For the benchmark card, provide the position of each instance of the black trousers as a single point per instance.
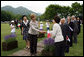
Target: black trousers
(59, 49)
(75, 38)
(67, 48)
(67, 44)
(71, 40)
(33, 44)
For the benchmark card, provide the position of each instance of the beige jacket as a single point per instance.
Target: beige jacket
(33, 28)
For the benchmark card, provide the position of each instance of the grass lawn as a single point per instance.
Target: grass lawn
(76, 50)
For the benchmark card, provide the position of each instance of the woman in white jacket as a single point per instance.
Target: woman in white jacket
(56, 33)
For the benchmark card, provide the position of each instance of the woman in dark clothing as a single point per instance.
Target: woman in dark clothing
(25, 28)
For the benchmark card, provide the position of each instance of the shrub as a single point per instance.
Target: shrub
(10, 38)
(49, 44)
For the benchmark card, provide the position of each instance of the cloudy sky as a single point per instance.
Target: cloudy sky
(37, 6)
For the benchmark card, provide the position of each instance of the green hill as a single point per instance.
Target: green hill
(19, 10)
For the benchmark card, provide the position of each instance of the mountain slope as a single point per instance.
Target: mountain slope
(20, 10)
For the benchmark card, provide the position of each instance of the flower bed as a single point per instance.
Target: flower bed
(9, 43)
(48, 47)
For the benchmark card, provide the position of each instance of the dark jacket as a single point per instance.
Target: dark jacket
(65, 30)
(71, 24)
(25, 28)
(76, 30)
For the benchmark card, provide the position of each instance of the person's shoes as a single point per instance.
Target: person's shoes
(66, 51)
(32, 55)
(35, 54)
(26, 48)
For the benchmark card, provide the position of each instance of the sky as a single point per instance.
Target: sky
(37, 6)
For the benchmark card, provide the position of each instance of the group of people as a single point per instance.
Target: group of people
(59, 32)
(70, 29)
(29, 30)
(65, 33)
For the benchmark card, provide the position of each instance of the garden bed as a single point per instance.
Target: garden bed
(46, 53)
(9, 46)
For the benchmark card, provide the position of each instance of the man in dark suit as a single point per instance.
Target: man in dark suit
(75, 30)
(65, 32)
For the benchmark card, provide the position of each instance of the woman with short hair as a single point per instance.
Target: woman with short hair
(33, 31)
(56, 33)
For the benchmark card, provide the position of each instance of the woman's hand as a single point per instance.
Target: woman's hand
(42, 31)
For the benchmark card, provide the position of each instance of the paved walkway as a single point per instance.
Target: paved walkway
(24, 52)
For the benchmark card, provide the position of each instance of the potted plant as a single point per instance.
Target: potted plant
(10, 42)
(48, 47)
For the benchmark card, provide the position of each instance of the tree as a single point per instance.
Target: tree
(63, 11)
(51, 11)
(7, 16)
(77, 8)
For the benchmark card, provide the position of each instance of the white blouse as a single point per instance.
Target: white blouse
(25, 22)
(57, 33)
